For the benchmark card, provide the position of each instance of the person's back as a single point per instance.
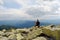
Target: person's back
(37, 23)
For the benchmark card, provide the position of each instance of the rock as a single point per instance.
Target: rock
(3, 38)
(40, 38)
(12, 37)
(19, 36)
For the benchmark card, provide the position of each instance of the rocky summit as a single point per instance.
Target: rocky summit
(33, 33)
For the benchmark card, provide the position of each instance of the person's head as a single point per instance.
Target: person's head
(37, 20)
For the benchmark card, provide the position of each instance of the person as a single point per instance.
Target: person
(52, 26)
(37, 23)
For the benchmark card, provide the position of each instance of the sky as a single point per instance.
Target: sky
(29, 9)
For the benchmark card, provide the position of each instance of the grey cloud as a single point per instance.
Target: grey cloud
(35, 12)
(6, 15)
(39, 13)
(48, 0)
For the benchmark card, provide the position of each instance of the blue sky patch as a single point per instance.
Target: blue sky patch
(11, 4)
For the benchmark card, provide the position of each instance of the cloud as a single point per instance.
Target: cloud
(41, 11)
(13, 14)
(29, 9)
(46, 8)
(1, 2)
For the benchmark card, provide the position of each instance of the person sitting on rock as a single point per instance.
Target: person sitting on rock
(37, 23)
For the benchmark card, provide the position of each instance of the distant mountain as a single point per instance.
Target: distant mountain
(21, 24)
(30, 24)
(25, 23)
(7, 27)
